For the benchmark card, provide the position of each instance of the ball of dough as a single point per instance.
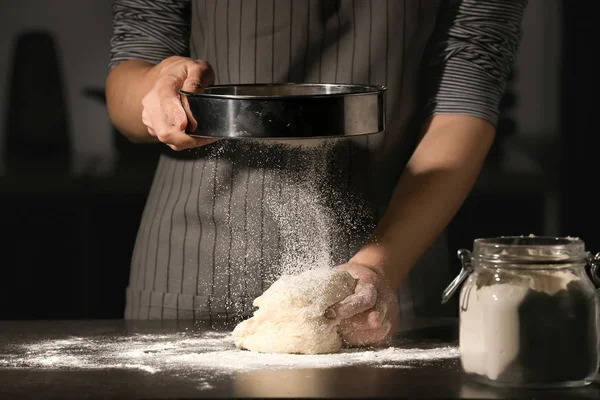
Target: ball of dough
(290, 312)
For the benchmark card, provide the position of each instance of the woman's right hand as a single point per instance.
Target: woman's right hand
(163, 114)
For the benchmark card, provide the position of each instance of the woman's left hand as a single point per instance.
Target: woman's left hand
(369, 316)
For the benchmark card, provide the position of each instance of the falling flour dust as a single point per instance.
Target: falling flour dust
(304, 223)
(294, 208)
(309, 207)
(196, 356)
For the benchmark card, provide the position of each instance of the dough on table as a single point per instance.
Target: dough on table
(290, 312)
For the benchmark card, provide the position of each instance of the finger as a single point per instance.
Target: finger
(163, 130)
(372, 337)
(192, 123)
(364, 297)
(177, 140)
(204, 141)
(181, 141)
(374, 317)
(178, 145)
(370, 319)
(171, 107)
(199, 76)
(159, 123)
(193, 76)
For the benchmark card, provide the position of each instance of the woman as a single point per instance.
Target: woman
(225, 218)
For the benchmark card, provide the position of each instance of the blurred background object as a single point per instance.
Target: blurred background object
(37, 129)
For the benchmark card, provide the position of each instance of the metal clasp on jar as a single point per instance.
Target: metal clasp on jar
(594, 262)
(467, 268)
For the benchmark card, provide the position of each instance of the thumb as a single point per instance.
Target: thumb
(199, 76)
(180, 119)
(363, 298)
(192, 84)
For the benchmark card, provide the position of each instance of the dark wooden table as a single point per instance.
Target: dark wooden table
(426, 379)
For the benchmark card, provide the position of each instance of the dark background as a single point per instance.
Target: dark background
(72, 190)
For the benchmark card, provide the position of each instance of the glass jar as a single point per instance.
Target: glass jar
(529, 314)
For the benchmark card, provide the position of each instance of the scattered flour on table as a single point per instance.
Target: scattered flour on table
(196, 355)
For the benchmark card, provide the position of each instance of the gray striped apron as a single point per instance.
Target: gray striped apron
(224, 221)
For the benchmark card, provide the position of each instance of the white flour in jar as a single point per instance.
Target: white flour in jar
(490, 324)
(489, 328)
(198, 357)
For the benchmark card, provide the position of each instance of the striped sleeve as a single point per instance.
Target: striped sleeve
(470, 56)
(149, 30)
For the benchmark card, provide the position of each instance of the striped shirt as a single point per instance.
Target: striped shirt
(223, 221)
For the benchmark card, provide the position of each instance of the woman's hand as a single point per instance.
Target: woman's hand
(369, 316)
(163, 113)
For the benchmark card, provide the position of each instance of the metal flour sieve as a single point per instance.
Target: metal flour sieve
(285, 111)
